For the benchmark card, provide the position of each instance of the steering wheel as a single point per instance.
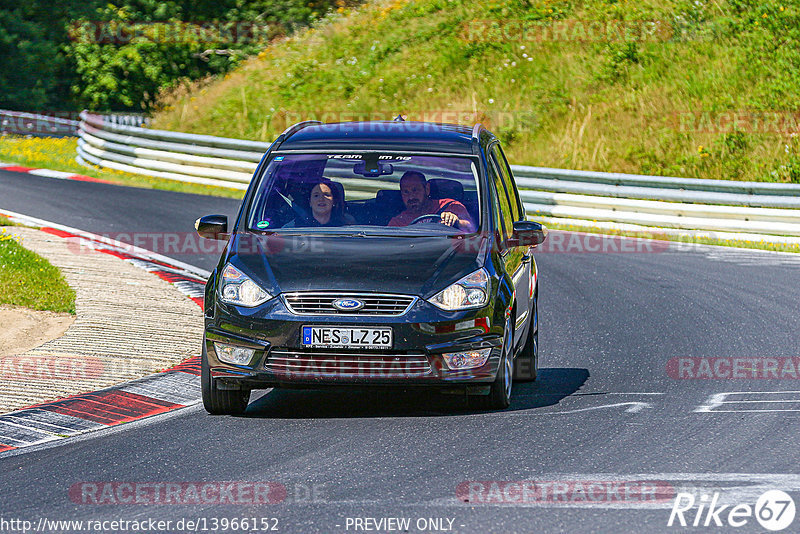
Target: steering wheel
(435, 217)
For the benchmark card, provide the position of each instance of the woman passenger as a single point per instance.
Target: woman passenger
(327, 209)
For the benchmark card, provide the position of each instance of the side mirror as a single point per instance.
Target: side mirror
(212, 227)
(528, 233)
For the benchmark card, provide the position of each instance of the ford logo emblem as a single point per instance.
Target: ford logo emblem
(348, 304)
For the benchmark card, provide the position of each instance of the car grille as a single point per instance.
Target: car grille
(298, 364)
(321, 303)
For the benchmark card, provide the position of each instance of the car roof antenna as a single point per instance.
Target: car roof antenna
(399, 118)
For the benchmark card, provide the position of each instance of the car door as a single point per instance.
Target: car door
(516, 259)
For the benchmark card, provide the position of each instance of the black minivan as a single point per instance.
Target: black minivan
(375, 254)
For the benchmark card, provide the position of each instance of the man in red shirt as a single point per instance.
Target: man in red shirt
(415, 191)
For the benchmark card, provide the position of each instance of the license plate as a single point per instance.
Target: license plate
(347, 336)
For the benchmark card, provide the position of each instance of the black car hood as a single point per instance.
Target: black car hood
(407, 265)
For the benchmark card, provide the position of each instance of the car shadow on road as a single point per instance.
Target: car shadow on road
(552, 385)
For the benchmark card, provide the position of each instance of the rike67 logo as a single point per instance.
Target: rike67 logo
(774, 510)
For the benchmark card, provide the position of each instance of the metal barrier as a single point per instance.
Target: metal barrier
(128, 119)
(21, 123)
(767, 212)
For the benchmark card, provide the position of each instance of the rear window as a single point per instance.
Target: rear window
(369, 193)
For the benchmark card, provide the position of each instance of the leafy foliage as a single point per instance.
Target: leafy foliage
(118, 55)
(34, 72)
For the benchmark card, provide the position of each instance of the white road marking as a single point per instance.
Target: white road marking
(176, 387)
(720, 399)
(196, 406)
(52, 174)
(52, 422)
(753, 257)
(17, 435)
(768, 401)
(633, 407)
(597, 394)
(613, 393)
(635, 393)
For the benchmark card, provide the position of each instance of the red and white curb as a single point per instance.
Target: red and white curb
(48, 173)
(156, 394)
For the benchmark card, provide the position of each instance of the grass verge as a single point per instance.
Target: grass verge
(686, 238)
(59, 155)
(28, 280)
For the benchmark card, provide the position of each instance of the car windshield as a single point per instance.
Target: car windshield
(367, 193)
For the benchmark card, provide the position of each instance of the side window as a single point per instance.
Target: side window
(505, 171)
(505, 221)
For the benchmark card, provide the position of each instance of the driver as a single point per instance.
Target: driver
(415, 191)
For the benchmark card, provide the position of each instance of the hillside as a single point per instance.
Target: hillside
(683, 88)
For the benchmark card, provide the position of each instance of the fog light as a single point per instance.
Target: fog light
(467, 359)
(234, 355)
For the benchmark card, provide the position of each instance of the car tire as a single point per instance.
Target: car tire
(499, 397)
(218, 401)
(526, 365)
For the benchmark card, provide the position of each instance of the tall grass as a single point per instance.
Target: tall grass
(573, 101)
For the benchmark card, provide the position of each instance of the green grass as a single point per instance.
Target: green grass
(687, 238)
(613, 105)
(59, 155)
(28, 280)
(4, 221)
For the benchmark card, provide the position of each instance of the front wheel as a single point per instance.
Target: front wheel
(526, 366)
(220, 401)
(499, 397)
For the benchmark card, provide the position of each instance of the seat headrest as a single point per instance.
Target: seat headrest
(389, 196)
(445, 188)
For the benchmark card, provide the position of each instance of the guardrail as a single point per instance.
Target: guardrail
(753, 211)
(21, 123)
(127, 119)
(59, 124)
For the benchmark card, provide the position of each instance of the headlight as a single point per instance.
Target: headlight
(472, 291)
(237, 288)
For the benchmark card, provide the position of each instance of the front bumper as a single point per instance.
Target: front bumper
(420, 338)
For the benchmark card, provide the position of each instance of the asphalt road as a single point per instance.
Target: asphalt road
(605, 408)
